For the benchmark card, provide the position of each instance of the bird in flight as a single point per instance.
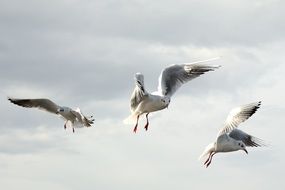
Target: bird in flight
(230, 138)
(75, 117)
(170, 79)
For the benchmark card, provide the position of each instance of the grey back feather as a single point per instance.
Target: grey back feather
(247, 139)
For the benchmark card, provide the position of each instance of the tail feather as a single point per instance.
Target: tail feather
(87, 122)
(210, 148)
(131, 119)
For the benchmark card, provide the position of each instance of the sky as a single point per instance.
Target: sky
(83, 53)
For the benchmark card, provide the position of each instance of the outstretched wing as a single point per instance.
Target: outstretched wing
(44, 104)
(172, 77)
(247, 139)
(239, 115)
(139, 92)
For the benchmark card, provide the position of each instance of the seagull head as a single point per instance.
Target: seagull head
(165, 101)
(242, 146)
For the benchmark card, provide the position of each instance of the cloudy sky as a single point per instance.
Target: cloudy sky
(84, 53)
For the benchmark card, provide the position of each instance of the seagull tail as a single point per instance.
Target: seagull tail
(210, 148)
(131, 119)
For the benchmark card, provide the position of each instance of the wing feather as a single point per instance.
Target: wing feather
(174, 76)
(239, 115)
(44, 104)
(139, 92)
(247, 139)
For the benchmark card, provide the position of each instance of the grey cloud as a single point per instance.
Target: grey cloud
(27, 141)
(85, 53)
(218, 23)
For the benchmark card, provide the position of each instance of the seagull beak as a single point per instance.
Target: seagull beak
(245, 151)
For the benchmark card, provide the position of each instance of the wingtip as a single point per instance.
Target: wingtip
(217, 66)
(254, 104)
(260, 142)
(10, 99)
(212, 59)
(258, 104)
(203, 61)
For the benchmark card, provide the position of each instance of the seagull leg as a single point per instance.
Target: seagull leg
(136, 126)
(210, 159)
(73, 129)
(65, 125)
(146, 125)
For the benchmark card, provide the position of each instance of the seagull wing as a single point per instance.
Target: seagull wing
(247, 139)
(139, 92)
(44, 104)
(172, 77)
(239, 115)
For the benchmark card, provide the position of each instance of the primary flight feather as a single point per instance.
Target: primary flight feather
(75, 117)
(170, 79)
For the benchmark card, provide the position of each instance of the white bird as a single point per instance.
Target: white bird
(230, 138)
(76, 118)
(170, 79)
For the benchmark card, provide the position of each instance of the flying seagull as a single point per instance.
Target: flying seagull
(170, 79)
(75, 117)
(230, 138)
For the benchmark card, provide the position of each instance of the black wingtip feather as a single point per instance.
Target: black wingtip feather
(257, 142)
(20, 102)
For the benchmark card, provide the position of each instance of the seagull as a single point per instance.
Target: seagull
(230, 138)
(170, 79)
(75, 117)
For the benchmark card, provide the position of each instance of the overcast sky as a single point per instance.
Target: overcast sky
(84, 53)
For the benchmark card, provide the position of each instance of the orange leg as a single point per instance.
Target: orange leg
(136, 126)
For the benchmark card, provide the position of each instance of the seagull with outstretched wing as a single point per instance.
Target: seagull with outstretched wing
(75, 117)
(170, 79)
(230, 138)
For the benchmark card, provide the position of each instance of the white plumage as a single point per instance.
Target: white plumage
(229, 137)
(170, 79)
(74, 117)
